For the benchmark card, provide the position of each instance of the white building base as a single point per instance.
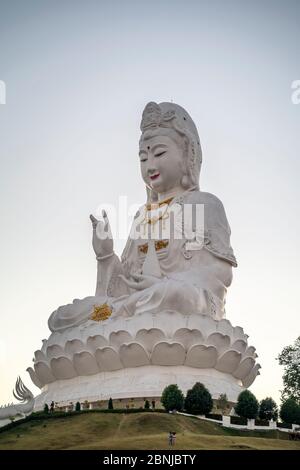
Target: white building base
(144, 381)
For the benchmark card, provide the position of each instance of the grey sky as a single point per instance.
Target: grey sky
(78, 74)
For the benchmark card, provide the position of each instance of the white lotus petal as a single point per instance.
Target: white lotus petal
(73, 346)
(229, 361)
(39, 356)
(108, 359)
(44, 372)
(203, 323)
(225, 327)
(134, 355)
(247, 381)
(97, 341)
(34, 377)
(168, 354)
(238, 333)
(62, 368)
(220, 341)
(117, 338)
(149, 337)
(54, 351)
(188, 337)
(244, 368)
(250, 351)
(239, 345)
(201, 356)
(85, 363)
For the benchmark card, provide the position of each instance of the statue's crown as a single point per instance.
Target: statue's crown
(154, 117)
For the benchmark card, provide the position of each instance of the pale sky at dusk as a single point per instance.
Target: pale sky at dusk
(78, 75)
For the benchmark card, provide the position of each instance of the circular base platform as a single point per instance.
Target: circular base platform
(144, 381)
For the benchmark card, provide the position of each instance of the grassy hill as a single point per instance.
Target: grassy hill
(136, 431)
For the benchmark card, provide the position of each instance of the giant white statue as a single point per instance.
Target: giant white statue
(158, 314)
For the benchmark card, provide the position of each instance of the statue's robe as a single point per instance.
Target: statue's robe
(195, 271)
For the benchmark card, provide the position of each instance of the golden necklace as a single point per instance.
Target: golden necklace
(163, 215)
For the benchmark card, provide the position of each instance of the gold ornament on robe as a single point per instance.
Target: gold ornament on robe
(159, 244)
(101, 312)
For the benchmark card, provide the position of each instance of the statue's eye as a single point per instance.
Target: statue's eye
(160, 153)
(143, 159)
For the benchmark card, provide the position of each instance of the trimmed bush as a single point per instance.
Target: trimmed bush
(172, 398)
(284, 425)
(290, 411)
(46, 408)
(247, 405)
(147, 405)
(198, 400)
(268, 409)
(110, 404)
(77, 406)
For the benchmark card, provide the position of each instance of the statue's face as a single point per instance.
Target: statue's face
(161, 161)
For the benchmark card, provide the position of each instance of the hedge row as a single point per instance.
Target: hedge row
(238, 420)
(261, 422)
(215, 416)
(284, 425)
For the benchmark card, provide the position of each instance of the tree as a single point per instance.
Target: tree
(222, 402)
(77, 406)
(268, 409)
(147, 405)
(46, 408)
(247, 405)
(198, 400)
(172, 398)
(290, 359)
(110, 404)
(290, 411)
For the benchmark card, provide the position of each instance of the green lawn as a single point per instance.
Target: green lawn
(136, 431)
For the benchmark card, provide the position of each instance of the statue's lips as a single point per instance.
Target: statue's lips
(154, 177)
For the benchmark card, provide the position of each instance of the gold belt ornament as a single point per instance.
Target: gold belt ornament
(159, 245)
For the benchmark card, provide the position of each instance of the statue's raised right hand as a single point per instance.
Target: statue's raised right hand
(102, 237)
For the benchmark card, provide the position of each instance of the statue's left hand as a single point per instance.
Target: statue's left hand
(141, 281)
(102, 238)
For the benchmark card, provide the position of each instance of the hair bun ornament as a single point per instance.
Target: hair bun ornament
(153, 116)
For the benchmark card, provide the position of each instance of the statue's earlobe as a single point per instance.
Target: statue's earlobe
(185, 182)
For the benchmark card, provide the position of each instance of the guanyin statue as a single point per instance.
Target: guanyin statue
(158, 314)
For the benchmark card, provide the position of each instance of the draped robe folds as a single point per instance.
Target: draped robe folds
(194, 272)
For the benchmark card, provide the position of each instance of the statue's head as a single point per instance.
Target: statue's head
(170, 151)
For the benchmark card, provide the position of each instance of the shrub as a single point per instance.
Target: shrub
(238, 420)
(77, 406)
(284, 425)
(172, 398)
(261, 422)
(198, 400)
(290, 411)
(215, 416)
(46, 408)
(147, 405)
(247, 405)
(268, 409)
(110, 404)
